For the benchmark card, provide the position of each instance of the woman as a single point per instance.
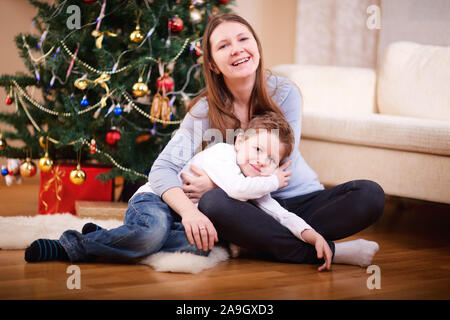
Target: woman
(237, 87)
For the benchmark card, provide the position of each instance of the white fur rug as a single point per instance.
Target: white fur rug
(19, 232)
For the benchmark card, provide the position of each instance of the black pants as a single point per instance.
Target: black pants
(335, 213)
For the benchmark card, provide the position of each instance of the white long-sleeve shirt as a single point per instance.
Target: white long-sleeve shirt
(220, 163)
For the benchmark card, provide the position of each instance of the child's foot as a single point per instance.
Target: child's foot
(45, 250)
(90, 227)
(358, 252)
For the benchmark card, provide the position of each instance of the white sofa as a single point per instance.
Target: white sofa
(390, 125)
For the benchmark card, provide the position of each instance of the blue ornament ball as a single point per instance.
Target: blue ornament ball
(118, 111)
(84, 102)
(5, 172)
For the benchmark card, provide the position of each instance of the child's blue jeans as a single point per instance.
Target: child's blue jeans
(148, 228)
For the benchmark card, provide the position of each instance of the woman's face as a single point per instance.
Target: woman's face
(234, 50)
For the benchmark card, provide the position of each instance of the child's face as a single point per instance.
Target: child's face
(232, 42)
(259, 154)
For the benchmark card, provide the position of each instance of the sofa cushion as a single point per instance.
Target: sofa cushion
(333, 89)
(401, 173)
(378, 130)
(414, 81)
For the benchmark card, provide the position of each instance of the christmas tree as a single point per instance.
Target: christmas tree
(114, 79)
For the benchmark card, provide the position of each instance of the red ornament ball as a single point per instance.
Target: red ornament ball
(165, 82)
(222, 1)
(175, 25)
(8, 100)
(113, 137)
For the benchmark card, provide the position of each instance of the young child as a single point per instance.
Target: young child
(247, 170)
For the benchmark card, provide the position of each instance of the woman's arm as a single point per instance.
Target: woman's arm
(198, 227)
(179, 150)
(164, 179)
(291, 104)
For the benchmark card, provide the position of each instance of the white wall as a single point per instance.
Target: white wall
(274, 23)
(426, 22)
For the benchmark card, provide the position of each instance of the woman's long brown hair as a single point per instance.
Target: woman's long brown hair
(219, 98)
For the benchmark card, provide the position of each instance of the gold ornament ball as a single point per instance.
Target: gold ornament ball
(196, 15)
(27, 168)
(77, 176)
(81, 83)
(45, 163)
(137, 36)
(140, 89)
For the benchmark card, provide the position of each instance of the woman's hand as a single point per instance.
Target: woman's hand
(282, 175)
(199, 230)
(322, 248)
(195, 186)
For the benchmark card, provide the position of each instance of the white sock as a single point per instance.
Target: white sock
(358, 252)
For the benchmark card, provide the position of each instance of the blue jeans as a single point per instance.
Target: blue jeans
(148, 227)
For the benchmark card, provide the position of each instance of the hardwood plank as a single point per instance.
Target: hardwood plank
(100, 209)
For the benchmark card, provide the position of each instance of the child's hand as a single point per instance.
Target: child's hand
(322, 248)
(282, 175)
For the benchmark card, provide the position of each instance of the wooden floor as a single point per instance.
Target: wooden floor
(414, 261)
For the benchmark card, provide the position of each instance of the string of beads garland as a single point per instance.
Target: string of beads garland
(24, 94)
(93, 148)
(92, 69)
(165, 122)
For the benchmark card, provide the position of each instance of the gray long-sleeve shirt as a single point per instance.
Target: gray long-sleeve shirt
(195, 128)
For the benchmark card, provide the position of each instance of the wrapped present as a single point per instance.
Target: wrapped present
(57, 194)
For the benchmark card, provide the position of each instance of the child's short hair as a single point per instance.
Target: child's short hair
(271, 120)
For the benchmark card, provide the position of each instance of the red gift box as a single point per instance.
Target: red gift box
(57, 194)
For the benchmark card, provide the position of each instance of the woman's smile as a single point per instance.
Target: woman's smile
(240, 62)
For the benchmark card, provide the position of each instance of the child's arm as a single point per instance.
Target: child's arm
(239, 187)
(294, 223)
(227, 176)
(298, 227)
